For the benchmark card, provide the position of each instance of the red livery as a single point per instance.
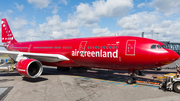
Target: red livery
(112, 52)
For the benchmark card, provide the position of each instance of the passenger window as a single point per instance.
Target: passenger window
(153, 47)
(116, 47)
(98, 47)
(107, 47)
(91, 47)
(104, 47)
(88, 47)
(101, 47)
(158, 46)
(113, 47)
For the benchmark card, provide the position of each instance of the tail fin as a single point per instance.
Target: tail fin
(7, 35)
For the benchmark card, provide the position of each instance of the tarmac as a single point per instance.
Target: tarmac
(82, 85)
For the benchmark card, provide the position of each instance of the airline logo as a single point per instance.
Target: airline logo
(100, 53)
(2, 22)
(8, 35)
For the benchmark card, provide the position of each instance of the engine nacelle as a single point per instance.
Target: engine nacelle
(30, 68)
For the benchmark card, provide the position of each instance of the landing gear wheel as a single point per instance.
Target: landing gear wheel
(177, 87)
(142, 73)
(130, 81)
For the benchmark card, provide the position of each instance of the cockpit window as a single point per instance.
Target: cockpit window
(153, 47)
(164, 46)
(158, 46)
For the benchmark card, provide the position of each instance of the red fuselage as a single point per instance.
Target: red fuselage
(117, 52)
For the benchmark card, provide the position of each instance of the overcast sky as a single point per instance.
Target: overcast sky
(58, 19)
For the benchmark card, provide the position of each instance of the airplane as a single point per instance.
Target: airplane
(127, 53)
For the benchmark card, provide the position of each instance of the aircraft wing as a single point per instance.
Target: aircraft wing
(17, 56)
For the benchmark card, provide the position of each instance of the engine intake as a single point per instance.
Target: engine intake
(30, 68)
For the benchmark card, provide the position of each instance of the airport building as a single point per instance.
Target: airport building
(174, 46)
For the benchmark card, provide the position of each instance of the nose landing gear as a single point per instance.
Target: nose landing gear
(132, 79)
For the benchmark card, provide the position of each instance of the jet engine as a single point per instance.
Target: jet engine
(30, 68)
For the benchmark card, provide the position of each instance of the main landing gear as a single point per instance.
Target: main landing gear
(132, 79)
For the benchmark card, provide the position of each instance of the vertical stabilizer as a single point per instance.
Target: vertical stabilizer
(7, 36)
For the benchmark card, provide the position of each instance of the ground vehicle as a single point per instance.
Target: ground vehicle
(170, 82)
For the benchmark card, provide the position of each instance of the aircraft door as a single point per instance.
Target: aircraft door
(130, 47)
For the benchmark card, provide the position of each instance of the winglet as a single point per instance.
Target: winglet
(7, 35)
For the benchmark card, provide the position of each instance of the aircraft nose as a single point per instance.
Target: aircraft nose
(173, 55)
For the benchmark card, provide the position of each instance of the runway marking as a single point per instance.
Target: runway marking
(86, 78)
(151, 86)
(123, 83)
(126, 84)
(120, 80)
(97, 79)
(75, 76)
(111, 82)
(115, 82)
(80, 78)
(118, 83)
(141, 85)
